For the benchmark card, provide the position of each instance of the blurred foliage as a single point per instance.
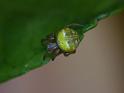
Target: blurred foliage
(23, 23)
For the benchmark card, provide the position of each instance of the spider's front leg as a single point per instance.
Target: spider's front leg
(56, 52)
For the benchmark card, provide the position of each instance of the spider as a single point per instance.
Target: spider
(63, 42)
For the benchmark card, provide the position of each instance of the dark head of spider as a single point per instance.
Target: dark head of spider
(53, 48)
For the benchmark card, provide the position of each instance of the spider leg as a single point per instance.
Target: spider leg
(56, 52)
(66, 54)
(75, 26)
(74, 52)
(53, 59)
(51, 38)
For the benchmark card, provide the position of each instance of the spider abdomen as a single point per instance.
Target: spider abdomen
(68, 40)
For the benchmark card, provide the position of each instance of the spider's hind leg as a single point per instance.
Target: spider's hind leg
(66, 54)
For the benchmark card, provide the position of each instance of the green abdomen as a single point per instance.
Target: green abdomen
(68, 40)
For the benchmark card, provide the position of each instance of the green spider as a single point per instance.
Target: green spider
(64, 42)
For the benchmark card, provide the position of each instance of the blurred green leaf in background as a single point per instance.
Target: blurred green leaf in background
(23, 23)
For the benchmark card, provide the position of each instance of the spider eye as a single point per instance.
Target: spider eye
(68, 39)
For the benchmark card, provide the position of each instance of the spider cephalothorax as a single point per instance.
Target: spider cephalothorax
(65, 41)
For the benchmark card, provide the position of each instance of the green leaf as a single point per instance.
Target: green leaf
(23, 23)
